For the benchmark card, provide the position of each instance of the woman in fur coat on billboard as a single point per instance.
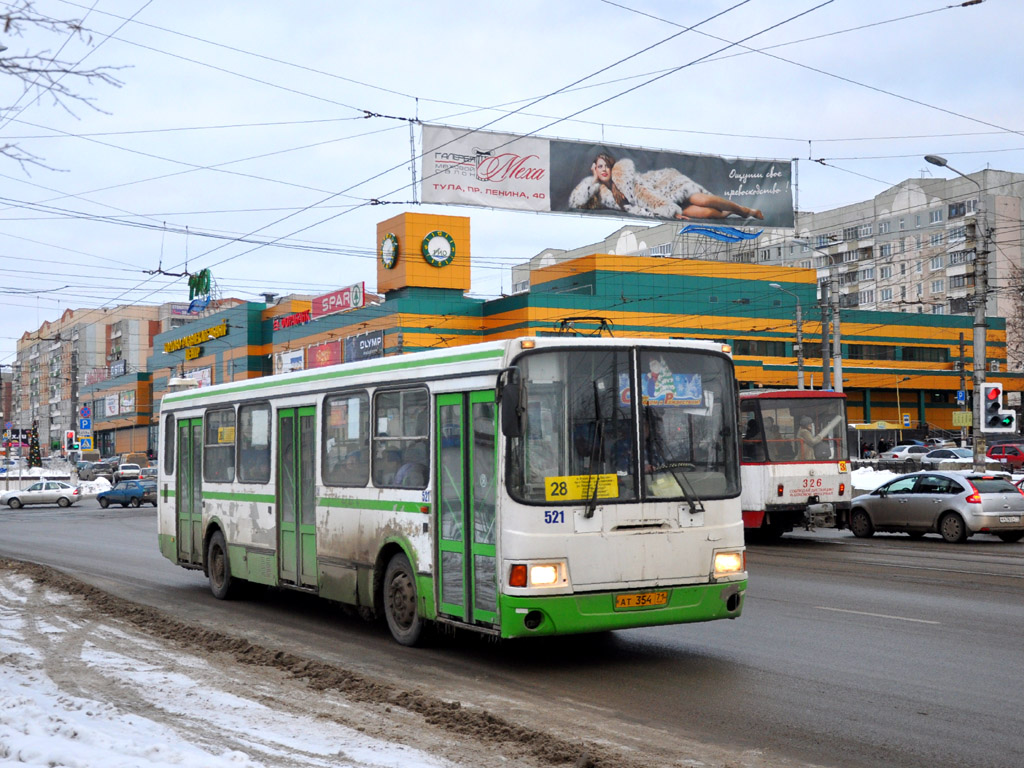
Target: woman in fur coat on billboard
(663, 194)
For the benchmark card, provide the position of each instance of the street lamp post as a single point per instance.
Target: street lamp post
(899, 408)
(837, 344)
(799, 336)
(980, 299)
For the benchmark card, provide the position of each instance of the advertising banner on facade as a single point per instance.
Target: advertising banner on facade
(365, 346)
(503, 170)
(341, 300)
(111, 403)
(292, 360)
(202, 375)
(328, 353)
(127, 402)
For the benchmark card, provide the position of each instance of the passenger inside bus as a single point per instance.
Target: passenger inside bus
(413, 472)
(385, 467)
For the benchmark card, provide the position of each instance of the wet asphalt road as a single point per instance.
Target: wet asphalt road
(850, 652)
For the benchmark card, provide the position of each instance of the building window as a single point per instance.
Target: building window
(961, 281)
(903, 224)
(961, 257)
(957, 234)
(886, 294)
(885, 272)
(926, 354)
(957, 209)
(866, 297)
(917, 220)
(918, 242)
(971, 206)
(871, 352)
(864, 230)
(883, 227)
(939, 309)
(936, 238)
(934, 217)
(805, 264)
(850, 233)
(849, 256)
(938, 286)
(759, 347)
(936, 262)
(822, 241)
(920, 290)
(885, 251)
(903, 268)
(903, 293)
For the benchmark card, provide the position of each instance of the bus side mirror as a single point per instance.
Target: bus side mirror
(510, 396)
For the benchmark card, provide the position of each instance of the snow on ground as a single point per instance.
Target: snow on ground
(79, 690)
(866, 479)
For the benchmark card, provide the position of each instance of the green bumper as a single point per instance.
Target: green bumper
(595, 612)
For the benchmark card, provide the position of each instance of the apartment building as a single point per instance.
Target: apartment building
(82, 347)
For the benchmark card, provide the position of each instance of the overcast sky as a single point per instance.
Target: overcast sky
(249, 120)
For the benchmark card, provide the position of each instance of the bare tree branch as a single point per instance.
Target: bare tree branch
(44, 75)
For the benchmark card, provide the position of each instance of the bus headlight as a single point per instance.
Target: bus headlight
(729, 563)
(544, 575)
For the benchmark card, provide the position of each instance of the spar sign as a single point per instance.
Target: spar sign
(341, 300)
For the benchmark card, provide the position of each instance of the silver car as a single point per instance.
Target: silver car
(43, 492)
(953, 504)
(933, 459)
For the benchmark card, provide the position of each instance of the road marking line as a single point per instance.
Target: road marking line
(876, 615)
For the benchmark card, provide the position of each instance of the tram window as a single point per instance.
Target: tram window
(169, 437)
(254, 443)
(346, 439)
(401, 455)
(219, 451)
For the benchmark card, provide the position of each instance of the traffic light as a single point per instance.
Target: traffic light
(69, 439)
(993, 417)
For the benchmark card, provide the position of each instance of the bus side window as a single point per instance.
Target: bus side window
(254, 443)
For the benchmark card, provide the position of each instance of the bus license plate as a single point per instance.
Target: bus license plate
(1009, 518)
(641, 600)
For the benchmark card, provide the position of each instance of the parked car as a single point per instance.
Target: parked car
(129, 493)
(1008, 453)
(43, 492)
(905, 452)
(126, 472)
(96, 470)
(940, 442)
(953, 504)
(933, 459)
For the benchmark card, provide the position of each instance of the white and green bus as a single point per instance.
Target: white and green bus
(519, 488)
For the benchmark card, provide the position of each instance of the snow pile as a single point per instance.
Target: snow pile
(92, 487)
(79, 690)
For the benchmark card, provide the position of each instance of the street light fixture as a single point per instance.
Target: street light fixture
(980, 299)
(837, 345)
(799, 336)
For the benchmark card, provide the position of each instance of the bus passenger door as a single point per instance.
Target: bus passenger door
(188, 495)
(296, 496)
(467, 492)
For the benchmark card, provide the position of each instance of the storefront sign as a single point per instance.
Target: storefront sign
(341, 300)
(365, 346)
(118, 368)
(197, 338)
(324, 354)
(299, 318)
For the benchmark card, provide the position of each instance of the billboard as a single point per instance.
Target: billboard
(328, 353)
(528, 173)
(365, 346)
(289, 360)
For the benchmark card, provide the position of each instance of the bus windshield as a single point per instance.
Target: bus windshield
(588, 439)
(793, 429)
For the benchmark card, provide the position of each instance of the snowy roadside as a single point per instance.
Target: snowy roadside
(89, 680)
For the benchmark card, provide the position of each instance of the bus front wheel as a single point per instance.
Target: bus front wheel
(404, 621)
(218, 568)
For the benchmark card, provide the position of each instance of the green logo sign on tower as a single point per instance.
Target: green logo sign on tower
(439, 248)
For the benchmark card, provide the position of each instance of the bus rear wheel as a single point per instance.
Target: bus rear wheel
(404, 621)
(218, 567)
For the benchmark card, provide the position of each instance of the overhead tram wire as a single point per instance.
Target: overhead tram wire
(403, 164)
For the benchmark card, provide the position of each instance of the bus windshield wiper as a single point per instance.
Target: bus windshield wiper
(676, 468)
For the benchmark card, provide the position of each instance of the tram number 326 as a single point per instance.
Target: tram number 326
(813, 482)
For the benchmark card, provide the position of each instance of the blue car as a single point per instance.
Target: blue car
(129, 493)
